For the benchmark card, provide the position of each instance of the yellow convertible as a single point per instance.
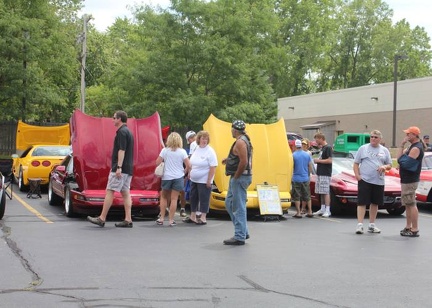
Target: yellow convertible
(272, 162)
(36, 162)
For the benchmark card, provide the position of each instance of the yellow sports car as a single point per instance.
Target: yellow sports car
(272, 163)
(36, 162)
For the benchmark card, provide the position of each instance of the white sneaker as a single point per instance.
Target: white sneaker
(319, 213)
(326, 214)
(359, 229)
(373, 229)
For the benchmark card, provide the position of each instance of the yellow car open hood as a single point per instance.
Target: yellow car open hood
(28, 135)
(272, 159)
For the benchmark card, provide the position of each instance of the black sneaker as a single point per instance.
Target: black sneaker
(96, 221)
(233, 241)
(124, 224)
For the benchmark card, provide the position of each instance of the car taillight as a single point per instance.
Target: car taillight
(35, 163)
(46, 163)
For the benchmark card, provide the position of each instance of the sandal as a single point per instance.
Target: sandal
(309, 215)
(404, 231)
(159, 222)
(188, 220)
(297, 216)
(411, 233)
(200, 222)
(173, 224)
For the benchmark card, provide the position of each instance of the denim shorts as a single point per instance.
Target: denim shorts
(175, 184)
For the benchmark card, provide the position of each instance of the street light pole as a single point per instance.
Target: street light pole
(395, 79)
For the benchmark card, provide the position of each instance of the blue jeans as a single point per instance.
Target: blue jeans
(235, 204)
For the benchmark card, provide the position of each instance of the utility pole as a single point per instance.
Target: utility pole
(86, 19)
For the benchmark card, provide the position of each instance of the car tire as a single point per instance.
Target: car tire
(68, 204)
(396, 211)
(336, 208)
(2, 205)
(53, 199)
(21, 185)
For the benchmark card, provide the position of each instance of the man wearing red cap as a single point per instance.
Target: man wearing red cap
(410, 161)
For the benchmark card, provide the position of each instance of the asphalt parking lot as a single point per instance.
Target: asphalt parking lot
(49, 260)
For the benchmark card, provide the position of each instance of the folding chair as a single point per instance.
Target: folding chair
(34, 191)
(6, 171)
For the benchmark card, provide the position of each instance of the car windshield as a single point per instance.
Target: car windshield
(341, 164)
(427, 162)
(52, 151)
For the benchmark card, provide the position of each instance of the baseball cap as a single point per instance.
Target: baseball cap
(189, 134)
(298, 143)
(426, 136)
(238, 125)
(304, 142)
(413, 130)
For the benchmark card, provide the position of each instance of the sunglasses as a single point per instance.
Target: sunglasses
(374, 137)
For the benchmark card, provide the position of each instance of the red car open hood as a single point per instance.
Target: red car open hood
(92, 142)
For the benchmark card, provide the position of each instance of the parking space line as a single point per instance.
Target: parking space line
(32, 210)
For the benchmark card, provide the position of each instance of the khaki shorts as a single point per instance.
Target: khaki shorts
(408, 194)
(119, 184)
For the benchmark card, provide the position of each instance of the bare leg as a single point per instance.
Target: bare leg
(163, 203)
(361, 211)
(127, 205)
(109, 197)
(373, 211)
(173, 206)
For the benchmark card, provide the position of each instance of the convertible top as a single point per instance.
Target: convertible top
(92, 142)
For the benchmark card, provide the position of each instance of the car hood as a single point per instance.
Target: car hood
(272, 159)
(92, 142)
(392, 184)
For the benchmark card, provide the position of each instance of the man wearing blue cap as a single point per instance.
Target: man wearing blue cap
(238, 165)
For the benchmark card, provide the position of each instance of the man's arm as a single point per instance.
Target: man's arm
(240, 149)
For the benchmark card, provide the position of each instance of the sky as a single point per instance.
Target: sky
(104, 12)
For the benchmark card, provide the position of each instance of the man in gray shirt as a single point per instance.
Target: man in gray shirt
(370, 164)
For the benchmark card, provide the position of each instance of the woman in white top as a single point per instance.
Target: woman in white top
(172, 180)
(204, 162)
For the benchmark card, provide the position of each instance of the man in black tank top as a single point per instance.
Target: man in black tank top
(238, 165)
(410, 161)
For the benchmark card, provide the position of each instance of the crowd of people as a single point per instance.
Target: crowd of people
(197, 169)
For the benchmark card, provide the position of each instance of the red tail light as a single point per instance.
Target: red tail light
(35, 163)
(46, 163)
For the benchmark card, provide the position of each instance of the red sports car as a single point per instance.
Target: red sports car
(80, 179)
(343, 189)
(424, 190)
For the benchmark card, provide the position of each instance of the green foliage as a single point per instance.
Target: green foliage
(229, 58)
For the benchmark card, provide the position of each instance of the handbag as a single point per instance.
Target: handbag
(159, 171)
(408, 163)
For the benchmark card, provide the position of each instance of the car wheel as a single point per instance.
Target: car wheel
(2, 205)
(53, 199)
(68, 203)
(396, 211)
(336, 208)
(21, 185)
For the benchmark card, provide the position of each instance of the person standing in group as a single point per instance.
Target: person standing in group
(410, 163)
(306, 144)
(427, 145)
(324, 172)
(301, 179)
(120, 176)
(191, 140)
(175, 158)
(204, 163)
(371, 162)
(238, 165)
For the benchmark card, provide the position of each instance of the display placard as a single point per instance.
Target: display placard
(268, 199)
